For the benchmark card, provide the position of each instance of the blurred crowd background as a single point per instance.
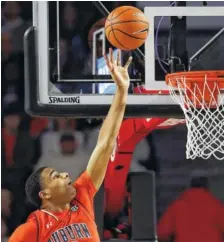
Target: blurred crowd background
(66, 144)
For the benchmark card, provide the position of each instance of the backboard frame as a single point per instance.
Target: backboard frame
(38, 101)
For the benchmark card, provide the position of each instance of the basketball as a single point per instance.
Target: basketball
(126, 28)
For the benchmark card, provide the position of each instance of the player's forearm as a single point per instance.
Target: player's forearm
(112, 123)
(108, 133)
(97, 165)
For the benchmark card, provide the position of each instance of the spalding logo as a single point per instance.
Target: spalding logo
(64, 100)
(141, 31)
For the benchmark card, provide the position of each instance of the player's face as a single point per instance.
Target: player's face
(58, 186)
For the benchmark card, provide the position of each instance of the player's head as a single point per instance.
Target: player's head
(199, 182)
(46, 185)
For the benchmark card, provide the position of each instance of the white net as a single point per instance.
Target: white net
(203, 105)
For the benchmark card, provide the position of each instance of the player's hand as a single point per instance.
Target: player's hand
(119, 73)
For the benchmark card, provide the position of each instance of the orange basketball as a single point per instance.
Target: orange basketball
(126, 28)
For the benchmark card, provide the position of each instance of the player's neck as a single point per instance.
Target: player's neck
(55, 208)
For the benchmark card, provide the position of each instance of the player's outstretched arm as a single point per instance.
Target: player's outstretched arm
(108, 133)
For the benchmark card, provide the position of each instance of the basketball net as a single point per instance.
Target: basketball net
(199, 96)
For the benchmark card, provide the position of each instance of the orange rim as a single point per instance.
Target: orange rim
(196, 77)
(214, 81)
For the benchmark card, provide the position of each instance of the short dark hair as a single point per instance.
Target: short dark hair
(33, 187)
(199, 182)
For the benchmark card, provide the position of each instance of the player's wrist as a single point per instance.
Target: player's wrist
(123, 88)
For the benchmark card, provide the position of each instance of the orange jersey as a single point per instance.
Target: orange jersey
(74, 225)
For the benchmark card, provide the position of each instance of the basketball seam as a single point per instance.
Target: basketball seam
(125, 34)
(112, 29)
(108, 36)
(117, 15)
(131, 21)
(116, 38)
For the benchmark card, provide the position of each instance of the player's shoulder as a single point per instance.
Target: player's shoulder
(85, 180)
(84, 187)
(24, 231)
(30, 225)
(82, 179)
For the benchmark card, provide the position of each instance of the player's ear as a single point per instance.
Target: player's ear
(44, 194)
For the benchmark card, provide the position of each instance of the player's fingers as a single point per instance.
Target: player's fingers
(119, 57)
(128, 62)
(111, 56)
(107, 61)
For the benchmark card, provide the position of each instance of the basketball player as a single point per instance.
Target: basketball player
(65, 208)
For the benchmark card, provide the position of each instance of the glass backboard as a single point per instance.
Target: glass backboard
(66, 74)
